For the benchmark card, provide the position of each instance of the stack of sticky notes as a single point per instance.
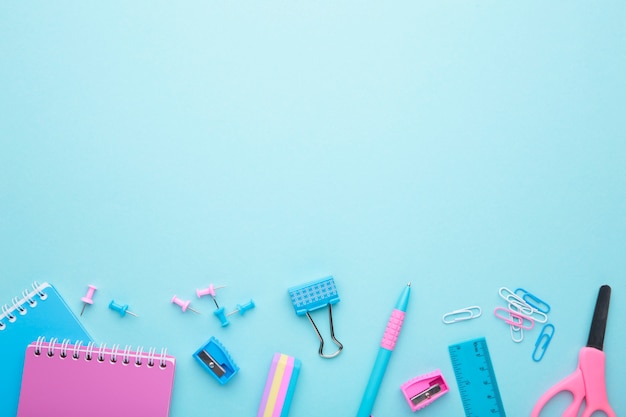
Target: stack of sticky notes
(280, 386)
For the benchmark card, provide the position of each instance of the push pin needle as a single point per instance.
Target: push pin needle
(122, 309)
(88, 298)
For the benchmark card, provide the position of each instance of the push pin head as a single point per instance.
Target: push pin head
(88, 298)
(122, 309)
(210, 290)
(220, 313)
(184, 305)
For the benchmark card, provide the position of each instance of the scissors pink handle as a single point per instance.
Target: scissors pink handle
(586, 382)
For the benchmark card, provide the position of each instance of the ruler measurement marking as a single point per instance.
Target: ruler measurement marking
(476, 379)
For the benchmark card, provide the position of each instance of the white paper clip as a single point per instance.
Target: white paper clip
(538, 316)
(462, 314)
(522, 306)
(511, 298)
(517, 334)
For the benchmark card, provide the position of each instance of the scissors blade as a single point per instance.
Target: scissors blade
(600, 316)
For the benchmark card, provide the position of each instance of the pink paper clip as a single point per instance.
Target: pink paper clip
(515, 319)
(424, 389)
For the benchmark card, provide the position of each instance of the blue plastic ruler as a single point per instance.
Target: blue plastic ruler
(476, 379)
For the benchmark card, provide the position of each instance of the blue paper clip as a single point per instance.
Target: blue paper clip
(541, 345)
(215, 359)
(534, 301)
(313, 296)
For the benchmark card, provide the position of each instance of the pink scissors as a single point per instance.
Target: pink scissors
(587, 382)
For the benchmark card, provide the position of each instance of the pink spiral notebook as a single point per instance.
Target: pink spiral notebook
(61, 379)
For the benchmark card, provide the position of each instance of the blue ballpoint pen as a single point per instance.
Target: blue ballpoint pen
(384, 353)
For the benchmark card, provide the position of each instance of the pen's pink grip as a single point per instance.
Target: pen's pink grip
(393, 330)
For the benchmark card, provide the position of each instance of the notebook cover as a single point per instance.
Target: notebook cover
(48, 315)
(111, 383)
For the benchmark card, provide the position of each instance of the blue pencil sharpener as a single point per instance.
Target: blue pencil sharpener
(216, 360)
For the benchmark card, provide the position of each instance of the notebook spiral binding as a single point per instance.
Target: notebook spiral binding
(18, 305)
(101, 353)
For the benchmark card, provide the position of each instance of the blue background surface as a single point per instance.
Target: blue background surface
(153, 148)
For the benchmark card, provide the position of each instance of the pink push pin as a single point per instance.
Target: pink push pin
(210, 290)
(184, 305)
(88, 298)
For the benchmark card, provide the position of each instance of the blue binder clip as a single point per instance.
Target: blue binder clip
(215, 359)
(313, 296)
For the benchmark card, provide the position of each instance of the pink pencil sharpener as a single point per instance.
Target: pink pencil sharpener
(424, 389)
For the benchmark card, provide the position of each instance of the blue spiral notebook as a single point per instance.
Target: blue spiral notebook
(39, 311)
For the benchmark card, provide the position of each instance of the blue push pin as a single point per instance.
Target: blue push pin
(221, 315)
(241, 309)
(122, 309)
